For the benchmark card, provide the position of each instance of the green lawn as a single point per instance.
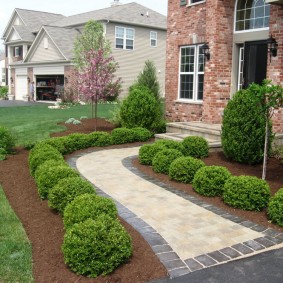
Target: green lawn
(33, 123)
(15, 248)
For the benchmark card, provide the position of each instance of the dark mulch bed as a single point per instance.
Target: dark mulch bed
(45, 228)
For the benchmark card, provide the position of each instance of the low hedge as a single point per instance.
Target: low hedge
(99, 139)
(95, 247)
(7, 139)
(66, 190)
(88, 206)
(210, 180)
(123, 135)
(142, 134)
(195, 147)
(275, 208)
(246, 192)
(183, 169)
(171, 144)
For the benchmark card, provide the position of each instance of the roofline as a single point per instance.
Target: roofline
(28, 64)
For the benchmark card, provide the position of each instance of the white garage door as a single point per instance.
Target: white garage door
(21, 87)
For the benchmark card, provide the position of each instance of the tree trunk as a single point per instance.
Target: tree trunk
(95, 113)
(265, 154)
(92, 107)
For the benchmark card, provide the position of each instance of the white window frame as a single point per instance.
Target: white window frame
(240, 67)
(191, 3)
(124, 38)
(17, 51)
(195, 74)
(153, 39)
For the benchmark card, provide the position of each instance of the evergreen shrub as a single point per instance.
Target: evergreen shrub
(76, 141)
(123, 135)
(171, 144)
(183, 169)
(148, 151)
(195, 147)
(142, 134)
(7, 139)
(246, 192)
(58, 143)
(99, 139)
(210, 180)
(275, 208)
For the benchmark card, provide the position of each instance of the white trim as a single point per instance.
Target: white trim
(240, 66)
(193, 4)
(125, 38)
(150, 38)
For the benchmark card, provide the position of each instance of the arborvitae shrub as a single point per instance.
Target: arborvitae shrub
(88, 206)
(123, 135)
(99, 139)
(148, 151)
(7, 139)
(95, 247)
(142, 134)
(162, 160)
(195, 147)
(275, 208)
(66, 190)
(183, 169)
(210, 180)
(51, 176)
(243, 128)
(246, 192)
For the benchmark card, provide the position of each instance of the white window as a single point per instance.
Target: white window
(124, 38)
(193, 2)
(191, 73)
(153, 38)
(17, 51)
(240, 68)
(252, 14)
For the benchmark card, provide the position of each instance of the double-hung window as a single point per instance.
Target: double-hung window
(191, 73)
(124, 38)
(153, 38)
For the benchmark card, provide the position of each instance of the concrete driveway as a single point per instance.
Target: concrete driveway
(13, 103)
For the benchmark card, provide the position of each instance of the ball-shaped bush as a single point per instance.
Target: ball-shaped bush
(7, 139)
(162, 160)
(76, 141)
(171, 144)
(183, 169)
(51, 176)
(210, 180)
(123, 135)
(195, 147)
(58, 143)
(275, 208)
(246, 192)
(66, 190)
(142, 134)
(88, 206)
(95, 247)
(99, 139)
(148, 151)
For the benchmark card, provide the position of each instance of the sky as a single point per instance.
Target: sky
(69, 7)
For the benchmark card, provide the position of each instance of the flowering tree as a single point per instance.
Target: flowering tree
(96, 77)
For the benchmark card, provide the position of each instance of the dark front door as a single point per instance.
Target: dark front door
(255, 62)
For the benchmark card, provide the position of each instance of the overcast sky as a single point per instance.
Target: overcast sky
(68, 7)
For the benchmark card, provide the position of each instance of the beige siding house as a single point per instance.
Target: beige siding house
(39, 47)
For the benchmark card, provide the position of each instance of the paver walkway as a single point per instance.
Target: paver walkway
(185, 233)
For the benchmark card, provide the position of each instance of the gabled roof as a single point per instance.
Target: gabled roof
(131, 13)
(24, 33)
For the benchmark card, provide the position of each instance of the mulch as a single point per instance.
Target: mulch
(45, 230)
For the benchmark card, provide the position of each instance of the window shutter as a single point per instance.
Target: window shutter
(183, 2)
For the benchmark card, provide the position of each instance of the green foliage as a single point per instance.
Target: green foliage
(195, 147)
(58, 143)
(142, 134)
(7, 139)
(275, 208)
(148, 151)
(140, 109)
(243, 128)
(210, 180)
(183, 169)
(47, 179)
(96, 247)
(3, 154)
(159, 127)
(246, 192)
(88, 206)
(4, 92)
(123, 135)
(99, 139)
(170, 144)
(162, 160)
(76, 141)
(66, 190)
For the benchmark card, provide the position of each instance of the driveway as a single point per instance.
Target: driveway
(13, 103)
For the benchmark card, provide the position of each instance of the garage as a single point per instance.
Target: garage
(21, 87)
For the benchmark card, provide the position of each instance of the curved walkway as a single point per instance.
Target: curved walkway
(185, 233)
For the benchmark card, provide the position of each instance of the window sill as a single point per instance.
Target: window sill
(193, 4)
(186, 101)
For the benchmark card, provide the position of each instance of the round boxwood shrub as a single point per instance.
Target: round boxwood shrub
(66, 190)
(88, 206)
(183, 169)
(148, 151)
(142, 134)
(195, 147)
(246, 192)
(51, 176)
(58, 143)
(210, 180)
(162, 160)
(95, 247)
(243, 128)
(76, 141)
(275, 208)
(7, 139)
(171, 144)
(123, 135)
(99, 139)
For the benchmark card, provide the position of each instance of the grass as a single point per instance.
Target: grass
(15, 248)
(33, 123)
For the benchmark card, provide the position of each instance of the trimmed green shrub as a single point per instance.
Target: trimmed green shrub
(162, 160)
(96, 247)
(210, 180)
(148, 151)
(66, 190)
(140, 109)
(88, 206)
(142, 134)
(171, 144)
(246, 192)
(3, 154)
(77, 141)
(51, 176)
(58, 143)
(183, 169)
(99, 139)
(123, 135)
(7, 140)
(243, 128)
(195, 147)
(275, 208)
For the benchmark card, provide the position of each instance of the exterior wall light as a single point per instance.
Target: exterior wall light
(11, 80)
(272, 46)
(28, 78)
(66, 80)
(205, 51)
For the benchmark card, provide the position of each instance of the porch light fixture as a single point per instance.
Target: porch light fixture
(66, 80)
(272, 46)
(28, 78)
(11, 80)
(205, 51)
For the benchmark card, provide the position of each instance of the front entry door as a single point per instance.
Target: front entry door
(255, 62)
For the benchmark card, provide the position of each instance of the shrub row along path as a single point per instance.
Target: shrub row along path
(185, 233)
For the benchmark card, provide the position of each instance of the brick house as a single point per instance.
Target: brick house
(245, 41)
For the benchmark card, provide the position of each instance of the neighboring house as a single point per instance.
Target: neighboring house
(215, 48)
(3, 70)
(39, 46)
